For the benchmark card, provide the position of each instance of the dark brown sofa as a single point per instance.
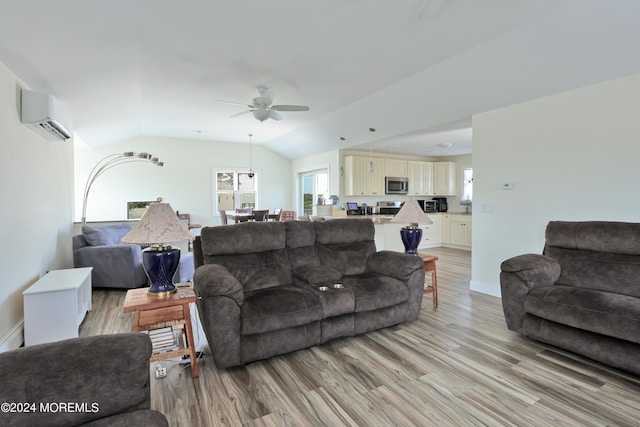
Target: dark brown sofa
(258, 286)
(582, 294)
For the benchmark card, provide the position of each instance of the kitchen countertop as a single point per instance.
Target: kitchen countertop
(385, 218)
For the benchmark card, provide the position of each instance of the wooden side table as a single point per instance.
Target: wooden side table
(151, 313)
(430, 267)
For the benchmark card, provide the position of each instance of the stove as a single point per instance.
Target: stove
(389, 208)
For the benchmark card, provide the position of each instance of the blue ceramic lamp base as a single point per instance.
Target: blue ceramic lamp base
(160, 264)
(411, 237)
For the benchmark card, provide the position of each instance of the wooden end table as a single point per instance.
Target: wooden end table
(151, 313)
(430, 267)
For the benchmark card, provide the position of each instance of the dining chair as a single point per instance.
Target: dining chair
(242, 210)
(223, 217)
(287, 216)
(260, 215)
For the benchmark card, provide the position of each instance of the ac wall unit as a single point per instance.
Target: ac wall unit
(42, 113)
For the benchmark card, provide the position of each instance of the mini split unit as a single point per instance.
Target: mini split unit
(43, 114)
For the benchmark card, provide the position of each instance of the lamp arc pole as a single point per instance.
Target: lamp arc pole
(109, 162)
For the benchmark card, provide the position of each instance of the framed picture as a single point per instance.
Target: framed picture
(135, 210)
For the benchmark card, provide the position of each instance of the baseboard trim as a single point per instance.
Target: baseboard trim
(14, 338)
(485, 288)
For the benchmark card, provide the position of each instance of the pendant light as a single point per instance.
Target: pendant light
(251, 172)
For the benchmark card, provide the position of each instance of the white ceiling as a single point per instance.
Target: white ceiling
(125, 68)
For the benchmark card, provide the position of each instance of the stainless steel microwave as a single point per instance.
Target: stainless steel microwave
(396, 185)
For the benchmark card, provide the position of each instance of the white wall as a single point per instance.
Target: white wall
(572, 156)
(36, 182)
(185, 181)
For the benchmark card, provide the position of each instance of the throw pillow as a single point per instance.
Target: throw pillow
(110, 235)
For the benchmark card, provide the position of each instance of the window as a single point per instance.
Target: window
(235, 189)
(467, 186)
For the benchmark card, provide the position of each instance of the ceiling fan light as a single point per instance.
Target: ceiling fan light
(261, 114)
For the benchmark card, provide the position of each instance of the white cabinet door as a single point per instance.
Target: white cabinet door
(416, 178)
(460, 231)
(353, 176)
(396, 167)
(444, 178)
(363, 176)
(373, 180)
(420, 178)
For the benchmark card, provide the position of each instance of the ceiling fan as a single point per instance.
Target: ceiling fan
(262, 109)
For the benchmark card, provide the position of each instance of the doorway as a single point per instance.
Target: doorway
(314, 186)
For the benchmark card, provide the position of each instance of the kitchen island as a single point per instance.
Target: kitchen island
(449, 229)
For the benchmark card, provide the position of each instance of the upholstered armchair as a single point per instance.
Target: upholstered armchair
(105, 379)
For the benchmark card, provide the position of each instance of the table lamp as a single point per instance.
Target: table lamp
(158, 226)
(411, 234)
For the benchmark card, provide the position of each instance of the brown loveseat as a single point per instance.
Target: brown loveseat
(582, 294)
(259, 286)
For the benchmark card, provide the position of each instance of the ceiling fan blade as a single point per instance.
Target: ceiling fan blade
(240, 113)
(275, 115)
(267, 97)
(290, 108)
(235, 103)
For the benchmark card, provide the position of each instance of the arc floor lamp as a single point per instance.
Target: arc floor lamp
(109, 162)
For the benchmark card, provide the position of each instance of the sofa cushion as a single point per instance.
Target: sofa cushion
(109, 235)
(374, 291)
(301, 243)
(247, 237)
(316, 274)
(279, 308)
(347, 258)
(606, 313)
(598, 270)
(599, 236)
(257, 270)
(344, 231)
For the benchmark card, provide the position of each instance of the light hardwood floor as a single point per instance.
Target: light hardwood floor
(457, 365)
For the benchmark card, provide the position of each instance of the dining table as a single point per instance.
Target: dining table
(237, 217)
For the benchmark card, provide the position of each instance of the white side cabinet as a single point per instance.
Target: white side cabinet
(55, 306)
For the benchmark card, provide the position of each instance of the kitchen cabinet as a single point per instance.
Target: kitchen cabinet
(430, 233)
(358, 181)
(396, 167)
(420, 178)
(444, 179)
(460, 227)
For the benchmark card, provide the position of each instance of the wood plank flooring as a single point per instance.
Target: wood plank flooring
(457, 365)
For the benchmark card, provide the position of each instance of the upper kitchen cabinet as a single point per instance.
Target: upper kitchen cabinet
(395, 167)
(444, 179)
(420, 178)
(363, 176)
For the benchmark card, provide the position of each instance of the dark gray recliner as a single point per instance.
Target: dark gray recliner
(258, 286)
(582, 294)
(104, 379)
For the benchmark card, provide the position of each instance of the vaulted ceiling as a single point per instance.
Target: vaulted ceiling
(414, 70)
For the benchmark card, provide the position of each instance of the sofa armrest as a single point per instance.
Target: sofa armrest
(518, 275)
(220, 299)
(113, 265)
(66, 371)
(533, 269)
(395, 264)
(214, 280)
